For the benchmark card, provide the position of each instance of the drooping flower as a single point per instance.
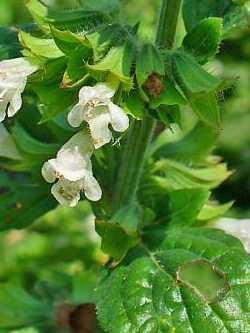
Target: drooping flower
(236, 228)
(72, 169)
(13, 79)
(96, 108)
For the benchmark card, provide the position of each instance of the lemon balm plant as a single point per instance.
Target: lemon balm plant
(90, 111)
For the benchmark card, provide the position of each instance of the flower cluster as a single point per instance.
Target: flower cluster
(71, 170)
(72, 166)
(13, 79)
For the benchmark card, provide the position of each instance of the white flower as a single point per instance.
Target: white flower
(236, 228)
(96, 108)
(13, 79)
(73, 170)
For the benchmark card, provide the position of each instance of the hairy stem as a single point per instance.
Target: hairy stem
(141, 132)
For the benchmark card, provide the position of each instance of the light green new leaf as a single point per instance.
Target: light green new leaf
(174, 175)
(212, 211)
(189, 282)
(118, 62)
(203, 41)
(8, 148)
(39, 13)
(41, 47)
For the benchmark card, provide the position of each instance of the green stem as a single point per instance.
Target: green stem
(141, 132)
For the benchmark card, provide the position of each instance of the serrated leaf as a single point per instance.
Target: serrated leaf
(118, 62)
(190, 76)
(204, 39)
(149, 61)
(185, 206)
(145, 294)
(40, 47)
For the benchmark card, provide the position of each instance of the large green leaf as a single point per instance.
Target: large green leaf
(195, 280)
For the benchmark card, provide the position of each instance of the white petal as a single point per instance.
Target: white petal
(92, 188)
(71, 164)
(49, 171)
(75, 116)
(99, 129)
(119, 119)
(15, 104)
(3, 107)
(67, 193)
(236, 228)
(104, 91)
(17, 67)
(87, 94)
(83, 141)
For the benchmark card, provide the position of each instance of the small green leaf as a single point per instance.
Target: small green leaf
(133, 105)
(40, 46)
(8, 147)
(212, 211)
(169, 96)
(118, 62)
(115, 241)
(203, 41)
(39, 12)
(185, 205)
(191, 76)
(206, 107)
(149, 61)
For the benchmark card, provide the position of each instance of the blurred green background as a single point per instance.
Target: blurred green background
(62, 246)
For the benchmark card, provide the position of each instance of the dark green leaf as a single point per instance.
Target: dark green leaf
(203, 41)
(189, 283)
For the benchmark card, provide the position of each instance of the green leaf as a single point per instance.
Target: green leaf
(107, 6)
(203, 41)
(149, 61)
(9, 45)
(193, 147)
(169, 96)
(133, 105)
(236, 19)
(30, 146)
(69, 42)
(19, 309)
(172, 175)
(212, 211)
(190, 76)
(196, 10)
(8, 148)
(22, 201)
(42, 47)
(206, 107)
(39, 12)
(190, 282)
(118, 62)
(115, 241)
(185, 206)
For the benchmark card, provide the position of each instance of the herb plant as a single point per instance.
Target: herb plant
(90, 110)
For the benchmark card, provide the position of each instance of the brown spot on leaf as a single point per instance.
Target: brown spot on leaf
(154, 85)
